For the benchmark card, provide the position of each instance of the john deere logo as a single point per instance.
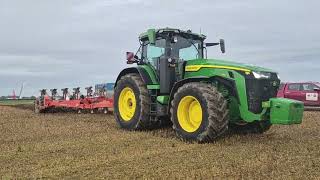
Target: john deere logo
(274, 83)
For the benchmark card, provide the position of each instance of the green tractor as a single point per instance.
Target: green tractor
(202, 97)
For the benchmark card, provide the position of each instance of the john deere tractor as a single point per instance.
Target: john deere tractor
(202, 97)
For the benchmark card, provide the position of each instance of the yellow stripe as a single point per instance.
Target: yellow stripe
(193, 68)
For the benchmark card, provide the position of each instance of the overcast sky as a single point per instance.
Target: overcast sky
(60, 43)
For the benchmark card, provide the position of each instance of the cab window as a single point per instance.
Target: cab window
(151, 52)
(186, 49)
(189, 53)
(308, 87)
(154, 52)
(181, 48)
(294, 87)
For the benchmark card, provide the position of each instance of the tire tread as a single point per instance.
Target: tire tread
(217, 111)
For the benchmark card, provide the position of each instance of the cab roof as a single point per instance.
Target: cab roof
(162, 30)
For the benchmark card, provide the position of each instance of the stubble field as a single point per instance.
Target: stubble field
(68, 145)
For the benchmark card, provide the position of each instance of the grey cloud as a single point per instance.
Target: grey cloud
(78, 43)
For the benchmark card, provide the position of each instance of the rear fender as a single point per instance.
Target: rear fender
(141, 71)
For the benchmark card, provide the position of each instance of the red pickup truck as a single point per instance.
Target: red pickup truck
(307, 92)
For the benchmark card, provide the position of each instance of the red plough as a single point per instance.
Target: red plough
(92, 101)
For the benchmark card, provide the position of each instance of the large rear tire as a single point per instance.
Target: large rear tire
(199, 112)
(132, 103)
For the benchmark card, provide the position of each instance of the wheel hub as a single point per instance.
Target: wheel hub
(189, 113)
(127, 104)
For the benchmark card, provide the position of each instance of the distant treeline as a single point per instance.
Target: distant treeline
(9, 97)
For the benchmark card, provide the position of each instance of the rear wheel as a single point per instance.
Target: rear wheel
(199, 112)
(132, 103)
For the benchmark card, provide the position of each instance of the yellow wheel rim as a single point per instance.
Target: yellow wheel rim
(189, 113)
(127, 104)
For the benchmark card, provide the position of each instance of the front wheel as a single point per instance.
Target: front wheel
(132, 103)
(199, 112)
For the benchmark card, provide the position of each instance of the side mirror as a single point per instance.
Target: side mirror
(317, 89)
(222, 46)
(221, 43)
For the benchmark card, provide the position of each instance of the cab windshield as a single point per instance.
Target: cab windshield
(186, 49)
(181, 48)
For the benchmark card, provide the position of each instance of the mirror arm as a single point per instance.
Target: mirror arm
(221, 43)
(211, 44)
(206, 52)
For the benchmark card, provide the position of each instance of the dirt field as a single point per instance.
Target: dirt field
(67, 145)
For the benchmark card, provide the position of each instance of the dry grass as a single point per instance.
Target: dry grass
(91, 146)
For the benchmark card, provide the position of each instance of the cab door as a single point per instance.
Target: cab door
(293, 91)
(311, 97)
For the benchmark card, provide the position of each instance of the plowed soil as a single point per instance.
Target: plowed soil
(69, 145)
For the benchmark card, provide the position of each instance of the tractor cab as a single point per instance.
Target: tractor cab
(167, 51)
(172, 44)
(175, 44)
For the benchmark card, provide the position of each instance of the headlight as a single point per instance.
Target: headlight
(261, 75)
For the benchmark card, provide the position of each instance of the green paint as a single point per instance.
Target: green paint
(238, 109)
(163, 99)
(234, 112)
(286, 111)
(226, 63)
(152, 36)
(151, 71)
(153, 86)
(266, 104)
(245, 114)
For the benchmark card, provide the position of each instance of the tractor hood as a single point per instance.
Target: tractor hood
(199, 63)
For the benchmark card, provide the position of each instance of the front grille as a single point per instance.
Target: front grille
(259, 90)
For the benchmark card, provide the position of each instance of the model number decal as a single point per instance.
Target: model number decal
(312, 97)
